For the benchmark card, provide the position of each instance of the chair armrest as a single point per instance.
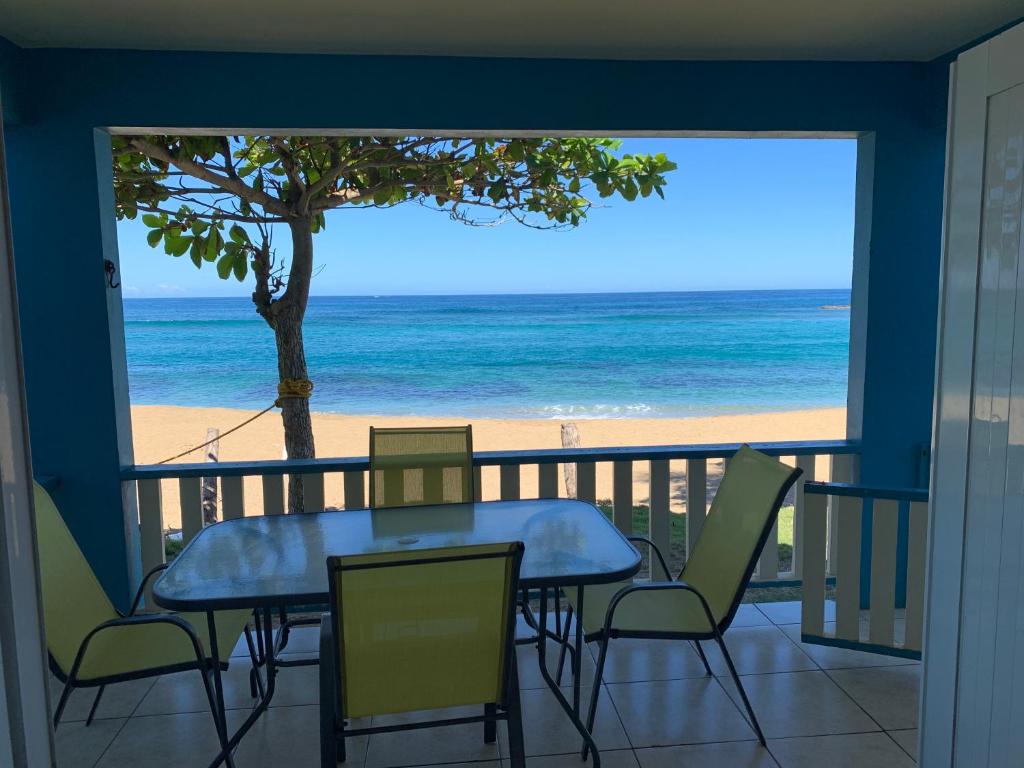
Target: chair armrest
(147, 618)
(658, 587)
(142, 587)
(654, 548)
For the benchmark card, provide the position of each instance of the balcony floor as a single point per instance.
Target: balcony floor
(818, 706)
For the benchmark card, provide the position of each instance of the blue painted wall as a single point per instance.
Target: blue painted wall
(57, 211)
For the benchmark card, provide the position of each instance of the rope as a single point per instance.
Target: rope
(287, 389)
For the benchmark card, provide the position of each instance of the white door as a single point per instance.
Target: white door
(973, 686)
(25, 737)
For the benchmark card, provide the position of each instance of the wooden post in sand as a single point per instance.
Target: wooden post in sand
(570, 439)
(209, 484)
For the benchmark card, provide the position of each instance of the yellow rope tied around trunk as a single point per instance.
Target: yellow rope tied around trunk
(287, 389)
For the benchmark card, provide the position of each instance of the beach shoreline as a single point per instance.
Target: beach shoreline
(161, 431)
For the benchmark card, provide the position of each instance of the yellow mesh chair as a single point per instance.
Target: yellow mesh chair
(91, 644)
(702, 602)
(416, 466)
(417, 630)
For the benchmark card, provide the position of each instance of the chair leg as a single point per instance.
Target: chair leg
(598, 675)
(255, 681)
(332, 738)
(703, 658)
(95, 703)
(739, 687)
(490, 726)
(516, 748)
(62, 702)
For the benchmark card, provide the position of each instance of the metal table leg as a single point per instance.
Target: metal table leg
(572, 710)
(228, 745)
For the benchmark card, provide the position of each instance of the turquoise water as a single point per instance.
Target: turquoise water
(541, 356)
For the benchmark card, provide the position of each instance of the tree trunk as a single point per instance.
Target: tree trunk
(285, 316)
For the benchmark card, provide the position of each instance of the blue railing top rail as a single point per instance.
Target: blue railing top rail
(492, 459)
(859, 491)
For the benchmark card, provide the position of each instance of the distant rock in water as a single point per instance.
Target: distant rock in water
(834, 306)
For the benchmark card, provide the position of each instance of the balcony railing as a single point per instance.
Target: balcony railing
(879, 583)
(666, 465)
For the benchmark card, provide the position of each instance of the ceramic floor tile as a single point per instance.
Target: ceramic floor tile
(638, 660)
(749, 615)
(290, 736)
(620, 758)
(828, 657)
(734, 754)
(119, 699)
(669, 712)
(801, 704)
(184, 692)
(789, 612)
(888, 694)
(907, 740)
(547, 729)
(449, 744)
(164, 741)
(858, 750)
(758, 650)
(79, 746)
(297, 686)
(305, 640)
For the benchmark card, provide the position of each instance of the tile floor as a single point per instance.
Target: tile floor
(817, 705)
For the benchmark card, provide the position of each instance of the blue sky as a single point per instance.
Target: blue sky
(739, 214)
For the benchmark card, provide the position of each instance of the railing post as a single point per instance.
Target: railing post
(190, 494)
(812, 555)
(509, 482)
(660, 514)
(313, 492)
(916, 544)
(805, 463)
(622, 496)
(233, 491)
(848, 511)
(354, 490)
(273, 494)
(768, 563)
(151, 528)
(547, 481)
(586, 481)
(696, 500)
(842, 469)
(478, 484)
(884, 526)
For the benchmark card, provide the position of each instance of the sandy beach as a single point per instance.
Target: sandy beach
(162, 431)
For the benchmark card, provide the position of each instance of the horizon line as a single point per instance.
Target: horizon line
(503, 294)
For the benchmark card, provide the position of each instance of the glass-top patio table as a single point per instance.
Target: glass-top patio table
(272, 562)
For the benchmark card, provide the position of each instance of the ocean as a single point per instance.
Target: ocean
(578, 356)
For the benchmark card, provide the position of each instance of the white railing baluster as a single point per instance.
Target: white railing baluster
(313, 492)
(355, 490)
(841, 470)
(848, 542)
(586, 481)
(273, 494)
(884, 525)
(660, 514)
(478, 484)
(916, 542)
(151, 524)
(232, 489)
(509, 482)
(768, 563)
(547, 481)
(622, 496)
(190, 494)
(696, 500)
(806, 463)
(812, 565)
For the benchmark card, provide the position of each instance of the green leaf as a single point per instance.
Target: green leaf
(224, 266)
(212, 246)
(153, 237)
(198, 227)
(238, 234)
(240, 267)
(179, 247)
(152, 220)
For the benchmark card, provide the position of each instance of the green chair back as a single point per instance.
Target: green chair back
(416, 466)
(424, 629)
(742, 514)
(74, 603)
